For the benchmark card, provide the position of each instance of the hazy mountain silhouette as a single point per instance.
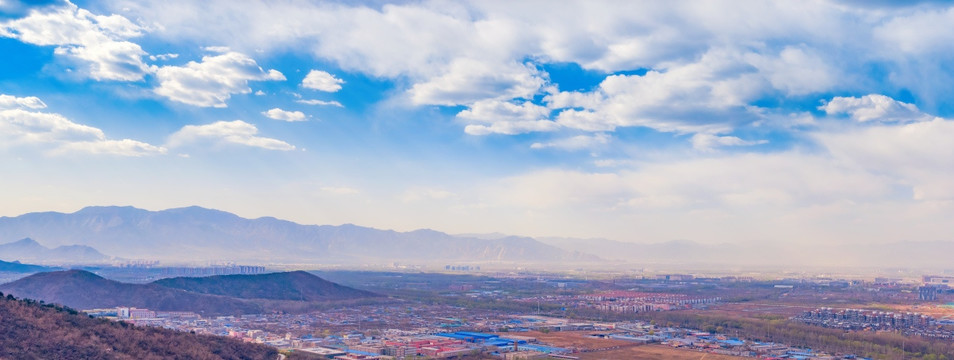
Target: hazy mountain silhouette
(29, 250)
(17, 267)
(197, 234)
(685, 252)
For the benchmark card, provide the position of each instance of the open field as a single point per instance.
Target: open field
(937, 311)
(653, 352)
(596, 348)
(760, 310)
(576, 339)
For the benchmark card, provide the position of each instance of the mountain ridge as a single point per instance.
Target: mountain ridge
(213, 295)
(30, 250)
(196, 234)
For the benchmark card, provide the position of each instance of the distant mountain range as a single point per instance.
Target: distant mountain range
(17, 267)
(28, 250)
(227, 294)
(199, 234)
(914, 254)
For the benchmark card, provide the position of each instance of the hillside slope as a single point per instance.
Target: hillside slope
(34, 331)
(84, 290)
(296, 285)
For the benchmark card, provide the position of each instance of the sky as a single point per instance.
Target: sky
(797, 122)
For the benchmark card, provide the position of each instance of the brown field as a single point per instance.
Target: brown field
(936, 311)
(595, 349)
(575, 339)
(653, 352)
(759, 310)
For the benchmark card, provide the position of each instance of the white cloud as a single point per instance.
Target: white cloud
(503, 117)
(98, 43)
(796, 71)
(319, 102)
(23, 126)
(217, 49)
(321, 81)
(917, 32)
(211, 82)
(467, 81)
(13, 102)
(284, 115)
(226, 132)
(708, 142)
(574, 143)
(915, 155)
(709, 95)
(20, 125)
(125, 147)
(163, 57)
(874, 107)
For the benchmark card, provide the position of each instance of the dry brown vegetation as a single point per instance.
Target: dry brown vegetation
(597, 348)
(575, 339)
(661, 352)
(32, 330)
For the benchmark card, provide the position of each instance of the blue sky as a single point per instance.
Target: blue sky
(791, 122)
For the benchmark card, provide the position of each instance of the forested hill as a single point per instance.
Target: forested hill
(295, 285)
(85, 290)
(36, 331)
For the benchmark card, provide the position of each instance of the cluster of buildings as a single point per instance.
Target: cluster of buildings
(437, 346)
(213, 270)
(413, 331)
(634, 301)
(854, 319)
(142, 316)
(723, 345)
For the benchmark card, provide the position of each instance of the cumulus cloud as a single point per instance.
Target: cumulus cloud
(284, 115)
(21, 125)
(319, 102)
(211, 82)
(504, 117)
(467, 81)
(321, 81)
(13, 102)
(459, 54)
(873, 107)
(226, 132)
(916, 32)
(98, 43)
(796, 71)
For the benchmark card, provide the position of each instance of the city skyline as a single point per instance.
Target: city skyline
(779, 122)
